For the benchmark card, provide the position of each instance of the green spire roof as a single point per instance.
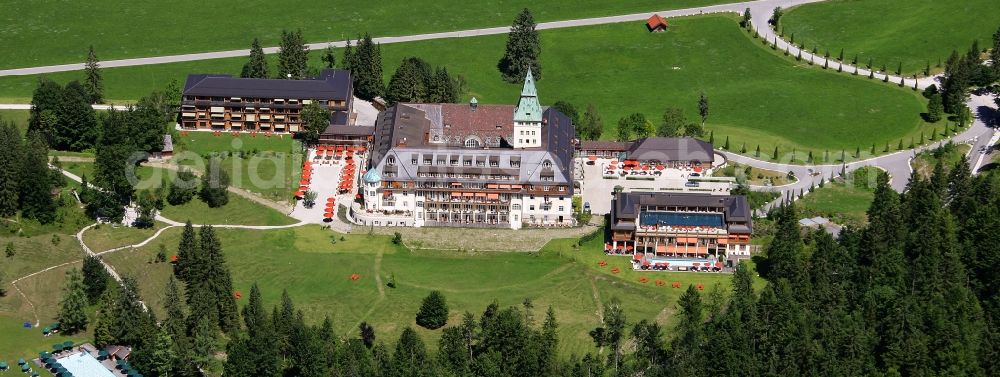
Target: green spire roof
(529, 86)
(528, 108)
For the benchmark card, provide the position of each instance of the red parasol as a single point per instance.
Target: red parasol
(592, 158)
(303, 182)
(718, 264)
(697, 169)
(298, 194)
(660, 167)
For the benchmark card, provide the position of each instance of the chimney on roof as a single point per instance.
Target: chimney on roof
(473, 104)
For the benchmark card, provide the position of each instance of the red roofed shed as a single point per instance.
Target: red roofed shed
(655, 23)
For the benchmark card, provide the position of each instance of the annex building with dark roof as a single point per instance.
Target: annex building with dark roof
(672, 152)
(680, 225)
(225, 103)
(471, 165)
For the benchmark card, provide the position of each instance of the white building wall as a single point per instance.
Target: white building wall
(527, 135)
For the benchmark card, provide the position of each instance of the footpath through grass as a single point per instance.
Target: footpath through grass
(317, 273)
(913, 32)
(36, 247)
(123, 29)
(239, 210)
(757, 96)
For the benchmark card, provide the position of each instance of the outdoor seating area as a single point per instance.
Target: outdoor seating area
(306, 179)
(633, 168)
(326, 154)
(346, 179)
(331, 209)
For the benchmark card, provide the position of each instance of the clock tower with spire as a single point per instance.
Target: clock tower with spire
(528, 117)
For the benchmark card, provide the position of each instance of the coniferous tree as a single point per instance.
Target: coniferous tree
(95, 278)
(329, 57)
(570, 111)
(410, 357)
(365, 62)
(293, 56)
(256, 67)
(410, 83)
(36, 186)
(433, 312)
(10, 177)
(72, 309)
(443, 88)
(94, 83)
(214, 185)
(105, 316)
(592, 126)
(703, 108)
(522, 51)
(687, 355)
(182, 188)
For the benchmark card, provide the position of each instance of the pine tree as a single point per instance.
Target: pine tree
(188, 268)
(220, 286)
(256, 67)
(443, 88)
(214, 185)
(10, 152)
(433, 312)
(756, 152)
(410, 357)
(95, 278)
(410, 82)
(774, 156)
(293, 56)
(726, 144)
(935, 108)
(94, 82)
(703, 108)
(522, 51)
(72, 308)
(592, 126)
(687, 355)
(36, 187)
(105, 316)
(366, 68)
(329, 57)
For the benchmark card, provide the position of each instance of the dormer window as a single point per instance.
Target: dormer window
(472, 143)
(547, 164)
(390, 160)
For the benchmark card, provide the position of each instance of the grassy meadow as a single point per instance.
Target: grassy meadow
(757, 96)
(123, 29)
(317, 273)
(911, 32)
(843, 202)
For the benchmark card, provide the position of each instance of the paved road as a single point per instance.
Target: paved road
(757, 7)
(979, 134)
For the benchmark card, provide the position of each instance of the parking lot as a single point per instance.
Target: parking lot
(597, 188)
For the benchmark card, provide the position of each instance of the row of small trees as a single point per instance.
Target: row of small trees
(674, 124)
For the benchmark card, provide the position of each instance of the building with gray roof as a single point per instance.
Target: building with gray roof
(680, 225)
(471, 165)
(225, 103)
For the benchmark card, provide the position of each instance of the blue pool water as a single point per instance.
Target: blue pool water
(681, 219)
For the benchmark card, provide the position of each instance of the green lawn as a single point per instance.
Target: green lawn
(106, 236)
(913, 32)
(950, 154)
(267, 166)
(317, 275)
(842, 202)
(239, 211)
(184, 26)
(757, 96)
(36, 248)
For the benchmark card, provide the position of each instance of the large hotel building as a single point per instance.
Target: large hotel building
(680, 225)
(471, 165)
(226, 103)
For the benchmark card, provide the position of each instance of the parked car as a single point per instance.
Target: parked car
(695, 175)
(691, 184)
(586, 206)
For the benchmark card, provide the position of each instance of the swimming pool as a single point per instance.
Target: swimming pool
(84, 365)
(713, 220)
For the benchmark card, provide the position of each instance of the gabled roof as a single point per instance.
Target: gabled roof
(331, 84)
(655, 21)
(671, 149)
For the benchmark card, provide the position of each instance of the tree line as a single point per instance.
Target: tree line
(673, 124)
(27, 184)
